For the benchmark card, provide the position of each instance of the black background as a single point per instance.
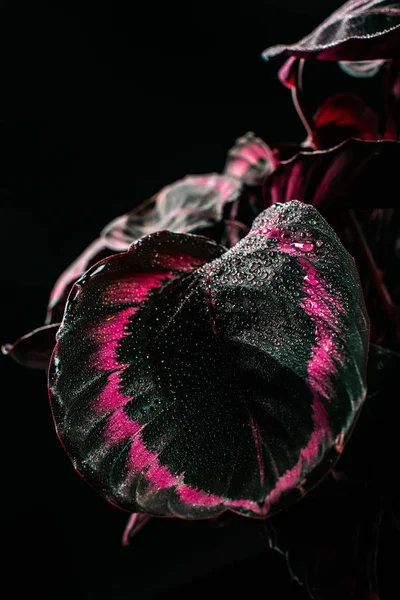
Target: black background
(101, 106)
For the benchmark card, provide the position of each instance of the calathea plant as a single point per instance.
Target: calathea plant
(232, 343)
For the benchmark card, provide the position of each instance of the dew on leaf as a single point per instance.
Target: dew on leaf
(304, 246)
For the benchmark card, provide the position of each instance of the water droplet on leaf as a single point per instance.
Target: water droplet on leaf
(304, 246)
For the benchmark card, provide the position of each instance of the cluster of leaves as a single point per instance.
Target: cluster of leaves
(235, 339)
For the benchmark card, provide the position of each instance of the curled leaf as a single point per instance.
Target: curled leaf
(249, 160)
(359, 30)
(59, 294)
(361, 68)
(188, 380)
(190, 205)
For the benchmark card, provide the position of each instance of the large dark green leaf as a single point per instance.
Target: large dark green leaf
(188, 380)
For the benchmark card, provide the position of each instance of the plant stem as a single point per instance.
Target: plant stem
(374, 272)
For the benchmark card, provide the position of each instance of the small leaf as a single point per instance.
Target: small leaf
(250, 160)
(34, 349)
(135, 523)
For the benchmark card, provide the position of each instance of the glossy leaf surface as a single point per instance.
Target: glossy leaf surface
(188, 380)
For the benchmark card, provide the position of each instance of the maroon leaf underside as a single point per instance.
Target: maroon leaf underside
(345, 116)
(35, 348)
(379, 275)
(355, 174)
(340, 115)
(393, 101)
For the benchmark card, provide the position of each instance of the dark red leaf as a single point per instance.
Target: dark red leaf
(35, 348)
(345, 116)
(393, 101)
(355, 174)
(288, 72)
